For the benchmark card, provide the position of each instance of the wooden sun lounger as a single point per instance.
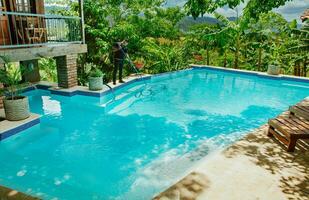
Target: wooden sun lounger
(288, 128)
(301, 109)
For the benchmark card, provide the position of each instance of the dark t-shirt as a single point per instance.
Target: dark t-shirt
(119, 51)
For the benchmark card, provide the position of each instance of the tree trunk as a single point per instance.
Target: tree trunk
(236, 53)
(236, 60)
(260, 59)
(297, 69)
(305, 68)
(207, 52)
(224, 64)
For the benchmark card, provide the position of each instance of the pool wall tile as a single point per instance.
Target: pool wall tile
(14, 131)
(43, 87)
(28, 89)
(90, 94)
(252, 73)
(225, 70)
(63, 93)
(297, 79)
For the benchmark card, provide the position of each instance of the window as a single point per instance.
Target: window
(23, 6)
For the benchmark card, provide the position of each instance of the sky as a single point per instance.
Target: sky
(291, 10)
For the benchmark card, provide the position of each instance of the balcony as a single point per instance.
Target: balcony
(31, 30)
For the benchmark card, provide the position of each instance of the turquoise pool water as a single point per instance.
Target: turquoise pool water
(144, 141)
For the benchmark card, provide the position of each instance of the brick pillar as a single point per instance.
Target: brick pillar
(67, 70)
(33, 75)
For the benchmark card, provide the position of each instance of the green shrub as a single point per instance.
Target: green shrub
(48, 69)
(11, 77)
(96, 73)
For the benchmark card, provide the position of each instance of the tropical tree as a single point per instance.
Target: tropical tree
(233, 31)
(163, 55)
(252, 10)
(202, 36)
(263, 33)
(298, 48)
(252, 41)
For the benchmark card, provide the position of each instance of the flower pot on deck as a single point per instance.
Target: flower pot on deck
(17, 108)
(96, 83)
(273, 70)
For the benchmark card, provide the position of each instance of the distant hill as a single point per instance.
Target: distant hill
(189, 21)
(185, 24)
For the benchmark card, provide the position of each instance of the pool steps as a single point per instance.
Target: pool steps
(122, 97)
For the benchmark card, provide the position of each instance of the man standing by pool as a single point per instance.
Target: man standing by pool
(119, 54)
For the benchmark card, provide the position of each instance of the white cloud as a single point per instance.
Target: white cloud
(291, 10)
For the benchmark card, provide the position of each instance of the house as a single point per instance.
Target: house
(27, 34)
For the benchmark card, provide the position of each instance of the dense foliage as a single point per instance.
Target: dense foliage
(254, 41)
(252, 9)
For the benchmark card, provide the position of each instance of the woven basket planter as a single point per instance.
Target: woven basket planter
(273, 70)
(96, 83)
(17, 109)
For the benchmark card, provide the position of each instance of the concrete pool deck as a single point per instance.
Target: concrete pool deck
(9, 128)
(255, 167)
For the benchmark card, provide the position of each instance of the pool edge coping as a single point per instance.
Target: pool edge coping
(12, 128)
(251, 73)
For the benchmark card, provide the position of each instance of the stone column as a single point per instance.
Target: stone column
(32, 73)
(67, 70)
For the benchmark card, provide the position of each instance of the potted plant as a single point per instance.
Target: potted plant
(274, 67)
(16, 106)
(96, 79)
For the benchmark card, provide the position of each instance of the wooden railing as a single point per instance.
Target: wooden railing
(26, 29)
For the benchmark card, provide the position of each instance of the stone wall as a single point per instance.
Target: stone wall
(67, 71)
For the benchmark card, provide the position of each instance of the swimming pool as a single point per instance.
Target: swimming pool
(145, 140)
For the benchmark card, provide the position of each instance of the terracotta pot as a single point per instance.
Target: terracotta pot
(95, 83)
(273, 70)
(16, 109)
